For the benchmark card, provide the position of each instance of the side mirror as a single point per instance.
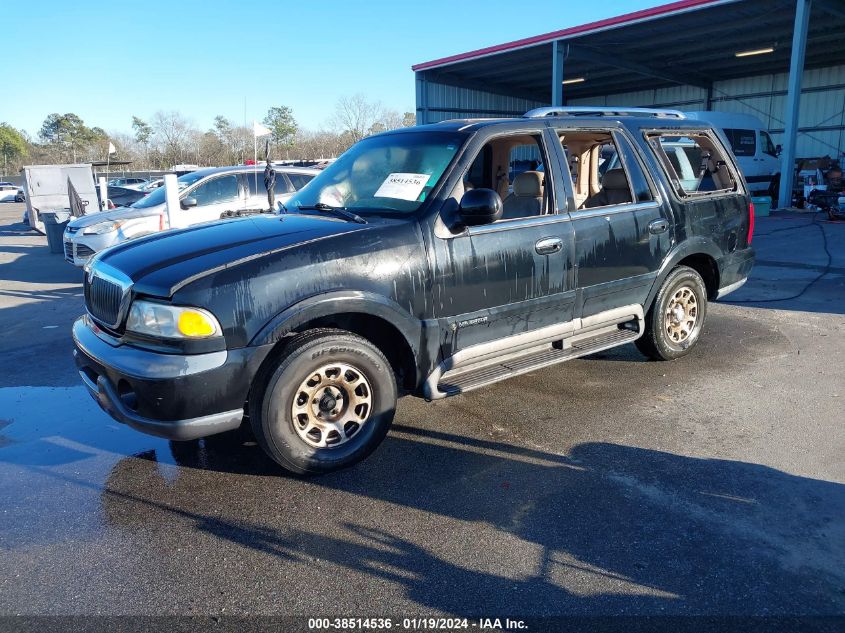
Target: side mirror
(188, 202)
(778, 150)
(480, 206)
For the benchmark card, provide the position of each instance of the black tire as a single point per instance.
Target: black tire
(657, 341)
(272, 400)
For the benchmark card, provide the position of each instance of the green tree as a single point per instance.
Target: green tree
(143, 135)
(223, 128)
(143, 132)
(12, 144)
(281, 122)
(67, 132)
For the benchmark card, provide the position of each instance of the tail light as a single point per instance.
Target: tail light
(750, 222)
(161, 222)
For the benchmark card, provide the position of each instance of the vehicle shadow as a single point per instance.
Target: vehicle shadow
(16, 228)
(656, 532)
(36, 264)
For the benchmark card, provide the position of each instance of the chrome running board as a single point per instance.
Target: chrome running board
(491, 362)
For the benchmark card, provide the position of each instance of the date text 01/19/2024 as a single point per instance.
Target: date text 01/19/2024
(416, 624)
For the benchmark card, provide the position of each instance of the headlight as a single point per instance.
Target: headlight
(100, 228)
(158, 319)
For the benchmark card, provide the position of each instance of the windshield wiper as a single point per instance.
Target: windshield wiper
(341, 212)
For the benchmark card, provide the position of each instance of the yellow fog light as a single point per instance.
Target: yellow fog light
(192, 323)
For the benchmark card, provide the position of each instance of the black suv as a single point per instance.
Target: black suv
(414, 265)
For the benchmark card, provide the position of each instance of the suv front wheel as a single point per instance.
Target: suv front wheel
(674, 321)
(326, 404)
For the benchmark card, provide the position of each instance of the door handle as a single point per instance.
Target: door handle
(549, 246)
(658, 226)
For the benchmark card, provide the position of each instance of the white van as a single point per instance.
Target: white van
(755, 152)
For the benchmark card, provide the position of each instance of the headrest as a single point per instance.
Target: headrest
(529, 184)
(614, 179)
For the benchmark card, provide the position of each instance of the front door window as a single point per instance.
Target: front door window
(216, 191)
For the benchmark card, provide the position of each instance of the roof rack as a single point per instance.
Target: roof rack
(599, 111)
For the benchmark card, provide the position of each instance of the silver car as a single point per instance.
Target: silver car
(205, 195)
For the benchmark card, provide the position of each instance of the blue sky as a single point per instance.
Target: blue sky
(108, 61)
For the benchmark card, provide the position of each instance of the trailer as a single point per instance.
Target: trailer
(46, 189)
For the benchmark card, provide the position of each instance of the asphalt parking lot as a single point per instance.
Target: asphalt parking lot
(608, 485)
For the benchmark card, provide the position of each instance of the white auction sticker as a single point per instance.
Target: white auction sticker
(402, 186)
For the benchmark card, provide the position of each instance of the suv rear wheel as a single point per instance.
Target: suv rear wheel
(326, 404)
(674, 321)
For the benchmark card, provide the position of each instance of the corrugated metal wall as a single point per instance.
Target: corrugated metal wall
(439, 102)
(821, 123)
(822, 116)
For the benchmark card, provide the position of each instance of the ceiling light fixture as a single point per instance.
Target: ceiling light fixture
(757, 51)
(575, 80)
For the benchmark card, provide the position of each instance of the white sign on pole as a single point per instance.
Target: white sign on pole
(104, 194)
(171, 198)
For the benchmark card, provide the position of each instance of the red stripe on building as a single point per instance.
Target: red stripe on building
(644, 14)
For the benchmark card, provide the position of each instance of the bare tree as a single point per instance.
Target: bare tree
(393, 119)
(356, 116)
(172, 132)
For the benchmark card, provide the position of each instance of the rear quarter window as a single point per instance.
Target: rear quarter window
(694, 162)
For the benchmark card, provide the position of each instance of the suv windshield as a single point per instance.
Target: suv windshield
(157, 196)
(391, 173)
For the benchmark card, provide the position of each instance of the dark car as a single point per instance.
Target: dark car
(407, 267)
(123, 197)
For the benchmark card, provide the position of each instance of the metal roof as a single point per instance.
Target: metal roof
(690, 42)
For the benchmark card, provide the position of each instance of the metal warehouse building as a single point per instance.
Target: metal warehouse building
(780, 60)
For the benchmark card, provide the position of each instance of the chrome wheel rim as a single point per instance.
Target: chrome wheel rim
(331, 405)
(681, 314)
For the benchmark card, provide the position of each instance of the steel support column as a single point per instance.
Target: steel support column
(422, 107)
(558, 55)
(793, 99)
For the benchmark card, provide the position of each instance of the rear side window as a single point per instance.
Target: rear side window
(743, 142)
(299, 180)
(256, 183)
(604, 168)
(695, 163)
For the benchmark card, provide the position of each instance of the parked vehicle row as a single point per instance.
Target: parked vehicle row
(129, 182)
(10, 192)
(412, 265)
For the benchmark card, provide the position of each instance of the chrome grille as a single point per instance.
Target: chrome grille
(103, 300)
(83, 251)
(107, 294)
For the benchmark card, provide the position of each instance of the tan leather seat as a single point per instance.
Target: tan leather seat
(527, 197)
(614, 190)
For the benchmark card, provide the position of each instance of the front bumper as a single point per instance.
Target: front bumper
(179, 397)
(79, 248)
